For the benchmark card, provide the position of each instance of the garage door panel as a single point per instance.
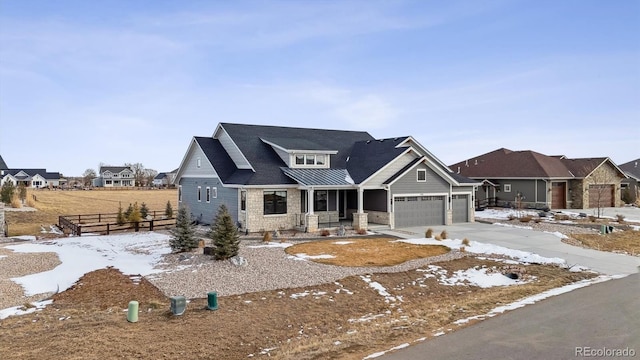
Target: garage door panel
(602, 195)
(418, 210)
(460, 208)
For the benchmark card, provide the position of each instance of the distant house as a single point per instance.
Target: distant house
(3, 165)
(632, 183)
(537, 180)
(164, 179)
(32, 178)
(273, 177)
(115, 176)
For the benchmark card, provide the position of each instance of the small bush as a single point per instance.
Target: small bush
(537, 220)
(444, 234)
(362, 232)
(561, 217)
(325, 232)
(511, 217)
(620, 218)
(463, 249)
(465, 242)
(429, 233)
(15, 203)
(592, 218)
(266, 237)
(526, 219)
(438, 237)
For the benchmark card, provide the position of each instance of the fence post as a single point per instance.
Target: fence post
(99, 217)
(136, 226)
(151, 225)
(107, 228)
(79, 230)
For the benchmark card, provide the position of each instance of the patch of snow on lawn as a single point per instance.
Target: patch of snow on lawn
(482, 248)
(271, 245)
(303, 256)
(130, 253)
(502, 214)
(514, 226)
(474, 276)
(343, 242)
(20, 310)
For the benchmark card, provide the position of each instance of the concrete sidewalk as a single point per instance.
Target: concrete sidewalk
(537, 242)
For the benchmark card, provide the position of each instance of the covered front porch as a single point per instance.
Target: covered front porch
(325, 207)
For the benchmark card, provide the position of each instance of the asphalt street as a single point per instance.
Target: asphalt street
(596, 320)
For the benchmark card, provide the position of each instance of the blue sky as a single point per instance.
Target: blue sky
(90, 82)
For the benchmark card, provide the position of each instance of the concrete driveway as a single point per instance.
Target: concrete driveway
(537, 242)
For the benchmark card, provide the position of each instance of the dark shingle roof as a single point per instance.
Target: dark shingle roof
(632, 168)
(319, 177)
(113, 169)
(3, 165)
(221, 162)
(582, 167)
(160, 176)
(34, 172)
(266, 162)
(367, 157)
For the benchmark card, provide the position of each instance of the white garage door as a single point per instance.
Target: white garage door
(418, 210)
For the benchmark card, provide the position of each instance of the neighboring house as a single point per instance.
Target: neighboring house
(272, 177)
(114, 176)
(32, 178)
(164, 179)
(632, 170)
(540, 181)
(3, 165)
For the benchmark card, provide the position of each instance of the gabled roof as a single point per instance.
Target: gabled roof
(3, 165)
(114, 169)
(266, 162)
(367, 157)
(20, 174)
(632, 168)
(221, 162)
(505, 163)
(527, 164)
(160, 176)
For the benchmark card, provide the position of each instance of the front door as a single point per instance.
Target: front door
(558, 195)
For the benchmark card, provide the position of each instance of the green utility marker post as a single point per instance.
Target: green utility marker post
(212, 300)
(132, 311)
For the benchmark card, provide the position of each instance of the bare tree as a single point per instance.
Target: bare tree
(138, 173)
(599, 187)
(88, 176)
(150, 174)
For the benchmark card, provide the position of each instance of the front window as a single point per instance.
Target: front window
(275, 202)
(320, 200)
(180, 193)
(243, 200)
(199, 196)
(208, 194)
(299, 159)
(319, 159)
(507, 187)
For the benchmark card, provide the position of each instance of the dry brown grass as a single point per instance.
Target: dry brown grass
(87, 321)
(366, 252)
(51, 204)
(627, 241)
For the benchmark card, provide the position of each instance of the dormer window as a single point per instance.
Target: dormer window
(310, 160)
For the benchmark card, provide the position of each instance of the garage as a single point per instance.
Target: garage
(418, 210)
(602, 195)
(460, 208)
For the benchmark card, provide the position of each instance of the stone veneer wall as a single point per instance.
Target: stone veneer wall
(604, 175)
(255, 220)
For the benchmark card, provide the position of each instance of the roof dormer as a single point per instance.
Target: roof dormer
(304, 154)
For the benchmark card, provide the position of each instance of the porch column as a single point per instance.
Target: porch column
(312, 219)
(360, 219)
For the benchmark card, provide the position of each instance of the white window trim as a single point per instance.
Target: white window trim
(423, 171)
(199, 193)
(214, 192)
(198, 162)
(507, 188)
(315, 164)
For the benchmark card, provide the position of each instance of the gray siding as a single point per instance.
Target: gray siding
(391, 170)
(408, 184)
(526, 187)
(203, 211)
(191, 163)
